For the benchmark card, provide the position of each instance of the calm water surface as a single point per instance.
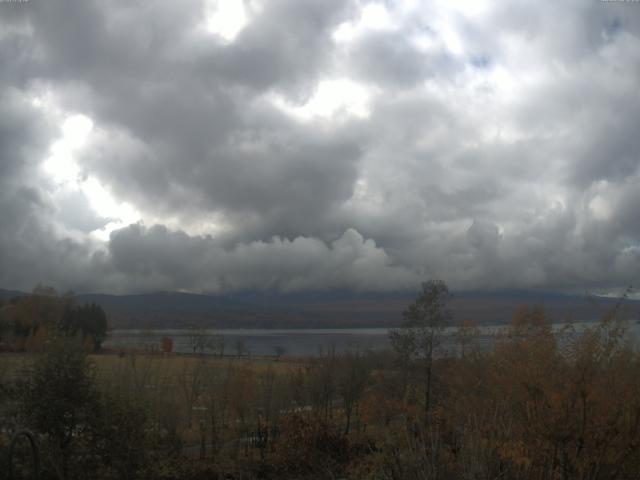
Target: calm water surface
(299, 342)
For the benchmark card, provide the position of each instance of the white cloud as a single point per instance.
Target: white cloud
(105, 205)
(61, 164)
(63, 168)
(226, 18)
(332, 98)
(373, 16)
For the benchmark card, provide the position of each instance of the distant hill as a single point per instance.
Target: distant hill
(334, 309)
(9, 294)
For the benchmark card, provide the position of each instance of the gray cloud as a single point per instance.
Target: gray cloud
(33, 246)
(511, 161)
(24, 135)
(158, 258)
(286, 49)
(390, 60)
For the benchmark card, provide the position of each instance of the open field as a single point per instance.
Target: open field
(12, 364)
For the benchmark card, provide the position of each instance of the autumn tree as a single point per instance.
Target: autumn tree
(167, 345)
(241, 388)
(43, 308)
(36, 317)
(416, 339)
(308, 447)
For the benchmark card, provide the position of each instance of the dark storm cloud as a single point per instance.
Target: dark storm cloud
(24, 134)
(183, 124)
(508, 161)
(276, 171)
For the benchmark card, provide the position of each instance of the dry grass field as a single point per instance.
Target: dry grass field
(173, 373)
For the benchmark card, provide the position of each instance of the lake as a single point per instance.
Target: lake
(297, 342)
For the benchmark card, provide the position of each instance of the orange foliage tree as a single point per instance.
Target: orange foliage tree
(166, 344)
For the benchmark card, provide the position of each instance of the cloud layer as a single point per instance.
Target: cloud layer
(322, 144)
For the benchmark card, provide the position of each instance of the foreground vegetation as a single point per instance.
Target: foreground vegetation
(533, 407)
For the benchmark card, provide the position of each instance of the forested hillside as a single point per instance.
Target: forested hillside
(332, 309)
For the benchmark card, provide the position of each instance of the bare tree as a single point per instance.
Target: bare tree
(191, 381)
(319, 375)
(218, 344)
(352, 381)
(240, 347)
(203, 341)
(416, 339)
(217, 400)
(279, 350)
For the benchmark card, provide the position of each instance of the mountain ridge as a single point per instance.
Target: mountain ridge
(328, 309)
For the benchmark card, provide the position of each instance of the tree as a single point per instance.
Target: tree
(121, 434)
(95, 324)
(166, 344)
(416, 338)
(200, 341)
(320, 377)
(216, 400)
(467, 333)
(240, 349)
(279, 350)
(88, 320)
(42, 308)
(352, 381)
(218, 343)
(59, 399)
(308, 447)
(403, 346)
(192, 380)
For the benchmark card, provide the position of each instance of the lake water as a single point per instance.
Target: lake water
(297, 342)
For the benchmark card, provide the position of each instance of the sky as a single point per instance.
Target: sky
(222, 145)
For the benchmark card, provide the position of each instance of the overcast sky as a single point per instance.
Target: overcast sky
(209, 146)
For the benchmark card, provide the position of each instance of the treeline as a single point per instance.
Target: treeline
(27, 322)
(539, 405)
